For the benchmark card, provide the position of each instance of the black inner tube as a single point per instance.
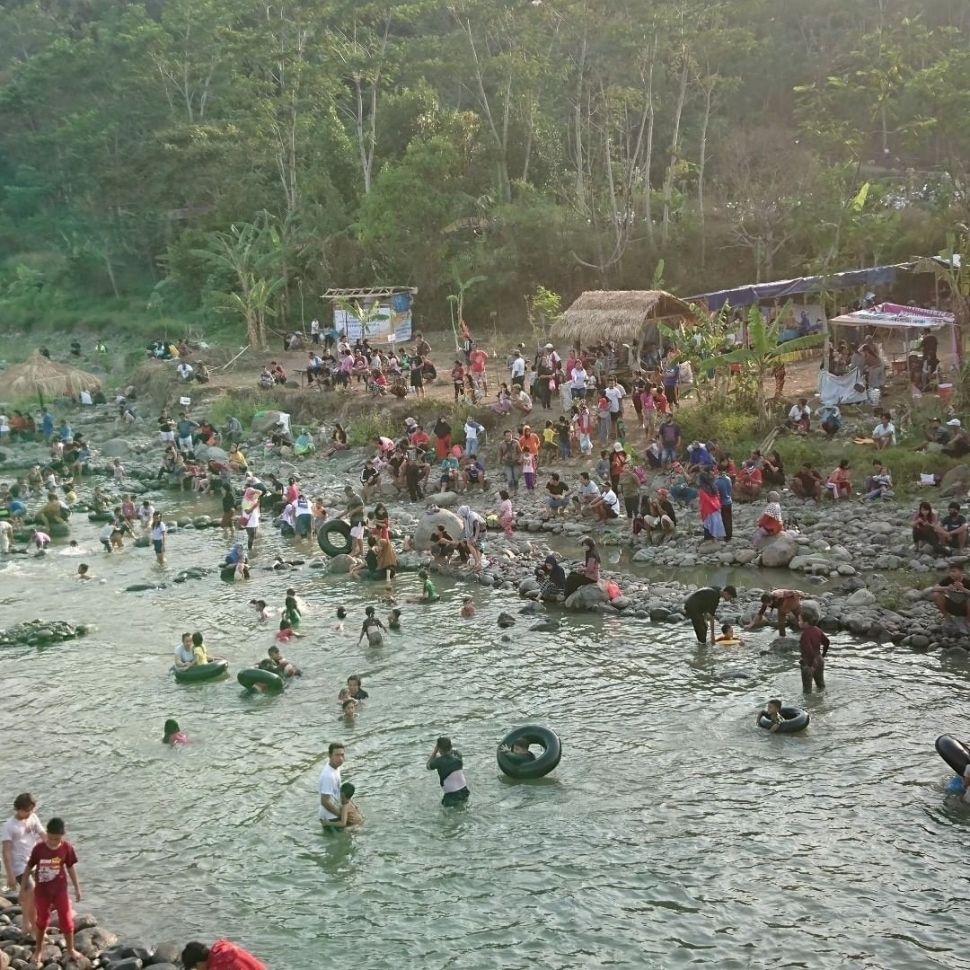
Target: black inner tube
(531, 734)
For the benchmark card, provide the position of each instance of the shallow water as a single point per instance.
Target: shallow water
(674, 833)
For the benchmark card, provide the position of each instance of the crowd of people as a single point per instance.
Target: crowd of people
(578, 461)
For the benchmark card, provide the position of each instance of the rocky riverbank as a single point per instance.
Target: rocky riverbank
(856, 556)
(100, 948)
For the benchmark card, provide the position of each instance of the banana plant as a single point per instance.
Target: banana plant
(764, 353)
(456, 303)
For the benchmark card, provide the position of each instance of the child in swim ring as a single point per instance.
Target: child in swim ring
(728, 635)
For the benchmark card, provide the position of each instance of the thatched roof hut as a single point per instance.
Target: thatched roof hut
(42, 376)
(622, 316)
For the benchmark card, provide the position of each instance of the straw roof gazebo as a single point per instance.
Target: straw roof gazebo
(38, 375)
(619, 315)
(628, 318)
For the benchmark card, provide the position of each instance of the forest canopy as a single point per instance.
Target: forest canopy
(234, 157)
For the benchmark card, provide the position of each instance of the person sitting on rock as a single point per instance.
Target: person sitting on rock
(788, 603)
(800, 417)
(927, 529)
(660, 520)
(955, 526)
(552, 579)
(747, 487)
(879, 484)
(771, 522)
(839, 483)
(807, 482)
(951, 595)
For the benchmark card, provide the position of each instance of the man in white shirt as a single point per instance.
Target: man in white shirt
(471, 437)
(614, 394)
(587, 493)
(330, 784)
(315, 330)
(577, 382)
(607, 506)
(800, 416)
(518, 369)
(884, 433)
(21, 832)
(184, 370)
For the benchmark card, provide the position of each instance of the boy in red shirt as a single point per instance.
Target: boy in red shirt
(222, 955)
(52, 861)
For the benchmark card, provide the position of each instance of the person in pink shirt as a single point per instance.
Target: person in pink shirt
(222, 955)
(648, 409)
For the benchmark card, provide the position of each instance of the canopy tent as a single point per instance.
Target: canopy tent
(896, 316)
(38, 375)
(620, 316)
(783, 289)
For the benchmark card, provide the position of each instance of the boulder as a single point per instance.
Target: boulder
(811, 611)
(266, 420)
(115, 448)
(528, 586)
(446, 500)
(341, 563)
(165, 953)
(861, 597)
(505, 620)
(587, 597)
(956, 481)
(779, 552)
(211, 453)
(430, 521)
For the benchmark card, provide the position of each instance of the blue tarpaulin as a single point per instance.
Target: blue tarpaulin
(783, 289)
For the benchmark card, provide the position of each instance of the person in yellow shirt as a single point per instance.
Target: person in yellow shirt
(199, 651)
(550, 447)
(237, 460)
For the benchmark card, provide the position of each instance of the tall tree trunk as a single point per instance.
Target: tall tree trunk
(648, 151)
(702, 164)
(578, 129)
(674, 148)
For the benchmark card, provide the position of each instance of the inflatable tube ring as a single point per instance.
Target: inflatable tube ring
(516, 767)
(795, 719)
(253, 678)
(328, 532)
(202, 672)
(955, 753)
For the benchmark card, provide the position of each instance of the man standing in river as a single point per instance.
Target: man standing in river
(330, 784)
(701, 608)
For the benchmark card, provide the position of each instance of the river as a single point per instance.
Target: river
(674, 833)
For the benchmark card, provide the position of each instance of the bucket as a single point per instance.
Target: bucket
(945, 392)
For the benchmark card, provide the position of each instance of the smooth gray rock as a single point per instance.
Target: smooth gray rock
(779, 552)
(861, 597)
(430, 521)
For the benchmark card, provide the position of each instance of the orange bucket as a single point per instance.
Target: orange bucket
(945, 392)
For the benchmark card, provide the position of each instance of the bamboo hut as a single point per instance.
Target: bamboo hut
(627, 318)
(47, 378)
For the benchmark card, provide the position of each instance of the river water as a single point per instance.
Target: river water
(674, 833)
